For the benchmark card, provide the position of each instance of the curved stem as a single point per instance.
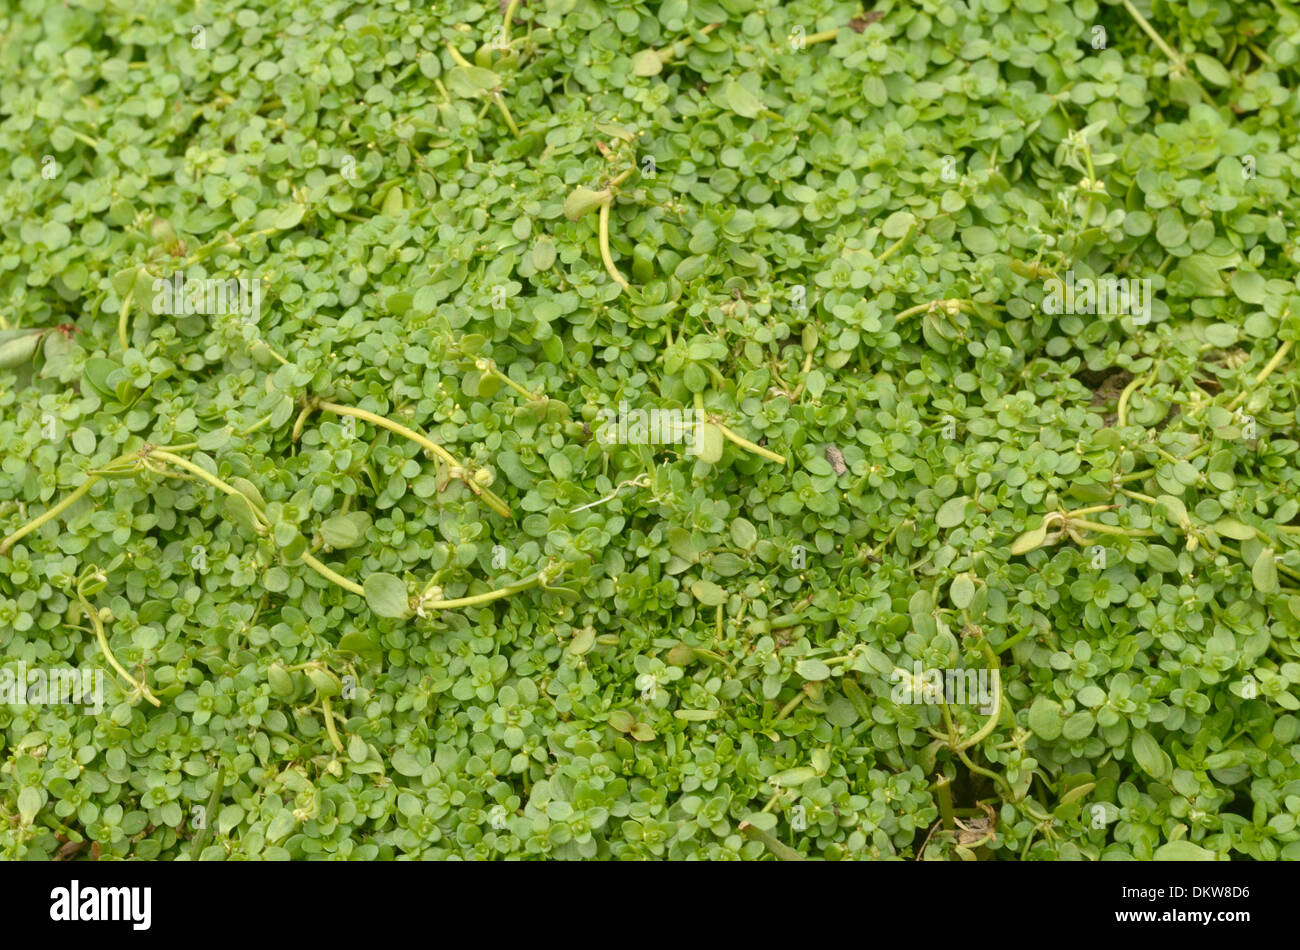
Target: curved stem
(217, 483)
(209, 478)
(1264, 374)
(604, 247)
(122, 317)
(141, 687)
(750, 446)
(989, 726)
(328, 712)
(50, 515)
(893, 248)
(1122, 410)
(510, 15)
(790, 706)
(1111, 529)
(460, 60)
(483, 598)
(385, 423)
(329, 574)
(987, 773)
(505, 113)
(495, 502)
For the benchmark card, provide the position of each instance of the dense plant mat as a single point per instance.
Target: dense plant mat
(649, 430)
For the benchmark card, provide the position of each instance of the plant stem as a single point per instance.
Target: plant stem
(493, 501)
(823, 37)
(486, 597)
(1112, 529)
(1264, 374)
(790, 706)
(489, 366)
(460, 60)
(1122, 410)
(1173, 57)
(220, 485)
(328, 711)
(207, 477)
(989, 726)
(604, 246)
(951, 306)
(122, 317)
(50, 515)
(385, 423)
(505, 113)
(893, 248)
(93, 615)
(510, 15)
(328, 574)
(987, 773)
(750, 446)
(944, 789)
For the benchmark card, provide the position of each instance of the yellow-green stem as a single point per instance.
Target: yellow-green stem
(328, 711)
(328, 574)
(1122, 411)
(750, 446)
(93, 615)
(122, 317)
(50, 515)
(493, 501)
(604, 246)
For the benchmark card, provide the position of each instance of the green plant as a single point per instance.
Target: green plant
(374, 580)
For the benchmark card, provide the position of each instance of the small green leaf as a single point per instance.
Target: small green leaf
(29, 804)
(470, 81)
(744, 533)
(1264, 573)
(814, 670)
(709, 593)
(360, 643)
(583, 201)
(238, 510)
(280, 681)
(345, 531)
(1249, 286)
(19, 349)
(952, 512)
(794, 777)
(707, 442)
(1183, 850)
(289, 216)
(1150, 757)
(962, 591)
(325, 682)
(1213, 70)
(1028, 541)
(280, 825)
(387, 596)
(1232, 528)
(642, 732)
(648, 62)
(1074, 794)
(741, 101)
(1045, 717)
